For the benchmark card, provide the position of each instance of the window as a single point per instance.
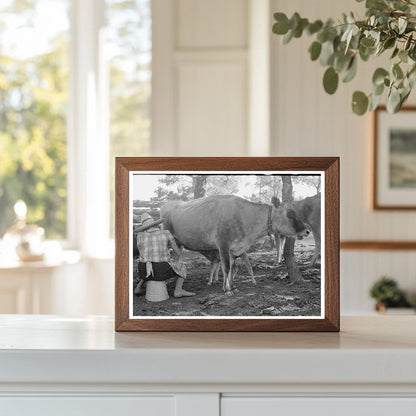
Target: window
(75, 87)
(129, 45)
(33, 103)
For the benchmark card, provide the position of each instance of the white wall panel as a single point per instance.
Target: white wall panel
(212, 108)
(308, 122)
(200, 77)
(212, 24)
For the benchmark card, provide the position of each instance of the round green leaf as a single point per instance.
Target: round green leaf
(393, 101)
(397, 71)
(294, 20)
(359, 103)
(374, 102)
(403, 55)
(395, 52)
(367, 42)
(281, 27)
(378, 90)
(379, 75)
(288, 37)
(322, 36)
(366, 53)
(327, 54)
(314, 27)
(389, 43)
(315, 50)
(330, 80)
(300, 25)
(342, 61)
(351, 71)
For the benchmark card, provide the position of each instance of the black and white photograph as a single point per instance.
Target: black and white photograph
(226, 244)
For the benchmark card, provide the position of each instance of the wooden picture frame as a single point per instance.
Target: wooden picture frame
(391, 174)
(327, 167)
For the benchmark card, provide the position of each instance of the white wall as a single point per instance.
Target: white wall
(200, 78)
(308, 122)
(203, 100)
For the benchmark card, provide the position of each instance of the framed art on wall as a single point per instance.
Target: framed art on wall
(394, 176)
(227, 244)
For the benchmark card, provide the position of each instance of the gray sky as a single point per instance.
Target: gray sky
(145, 185)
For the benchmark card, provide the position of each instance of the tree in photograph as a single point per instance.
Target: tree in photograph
(223, 185)
(187, 187)
(289, 250)
(199, 182)
(267, 186)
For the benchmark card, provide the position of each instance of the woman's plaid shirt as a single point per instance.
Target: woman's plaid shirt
(154, 245)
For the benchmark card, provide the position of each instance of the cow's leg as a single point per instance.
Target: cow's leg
(211, 273)
(235, 269)
(225, 264)
(217, 271)
(317, 251)
(246, 260)
(232, 270)
(215, 268)
(280, 244)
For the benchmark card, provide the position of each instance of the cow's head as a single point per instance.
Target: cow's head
(285, 221)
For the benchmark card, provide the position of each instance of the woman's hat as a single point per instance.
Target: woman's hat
(148, 222)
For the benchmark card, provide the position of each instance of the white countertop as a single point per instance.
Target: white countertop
(52, 349)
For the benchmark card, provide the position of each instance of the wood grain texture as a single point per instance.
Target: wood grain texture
(376, 204)
(378, 245)
(330, 165)
(121, 244)
(332, 290)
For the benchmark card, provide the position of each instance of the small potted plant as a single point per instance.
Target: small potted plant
(387, 294)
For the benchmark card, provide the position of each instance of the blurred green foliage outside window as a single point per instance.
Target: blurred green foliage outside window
(33, 101)
(129, 46)
(34, 86)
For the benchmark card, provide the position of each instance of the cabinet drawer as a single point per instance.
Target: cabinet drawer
(274, 406)
(88, 406)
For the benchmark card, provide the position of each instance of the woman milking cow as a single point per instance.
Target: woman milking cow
(155, 261)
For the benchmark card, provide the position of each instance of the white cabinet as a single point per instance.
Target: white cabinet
(88, 406)
(272, 406)
(79, 366)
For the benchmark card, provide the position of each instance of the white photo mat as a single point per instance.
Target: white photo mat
(135, 194)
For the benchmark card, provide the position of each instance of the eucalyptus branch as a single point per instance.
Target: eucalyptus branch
(388, 25)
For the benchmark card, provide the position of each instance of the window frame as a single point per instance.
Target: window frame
(87, 133)
(87, 128)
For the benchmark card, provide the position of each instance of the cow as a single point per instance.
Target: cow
(229, 224)
(309, 211)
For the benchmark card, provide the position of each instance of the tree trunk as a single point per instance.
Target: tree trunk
(289, 250)
(199, 182)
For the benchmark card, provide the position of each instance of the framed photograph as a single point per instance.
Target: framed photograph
(394, 179)
(227, 244)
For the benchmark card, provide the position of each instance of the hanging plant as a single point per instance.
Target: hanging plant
(388, 27)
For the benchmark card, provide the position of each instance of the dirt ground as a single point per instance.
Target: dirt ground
(272, 295)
